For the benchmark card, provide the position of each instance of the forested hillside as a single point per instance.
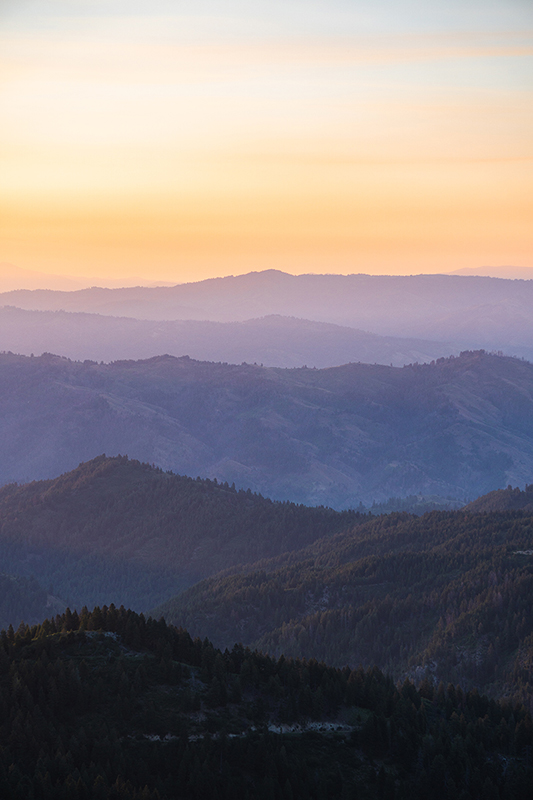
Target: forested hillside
(112, 706)
(456, 428)
(444, 596)
(118, 528)
(503, 500)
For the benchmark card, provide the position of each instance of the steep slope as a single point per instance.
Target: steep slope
(115, 527)
(444, 596)
(274, 341)
(475, 312)
(458, 427)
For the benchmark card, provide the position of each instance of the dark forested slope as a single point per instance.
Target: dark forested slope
(111, 706)
(117, 528)
(458, 427)
(504, 500)
(446, 595)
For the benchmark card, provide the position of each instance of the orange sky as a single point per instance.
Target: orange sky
(130, 148)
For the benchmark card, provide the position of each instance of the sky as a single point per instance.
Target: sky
(184, 140)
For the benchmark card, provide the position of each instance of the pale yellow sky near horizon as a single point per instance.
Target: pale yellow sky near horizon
(163, 145)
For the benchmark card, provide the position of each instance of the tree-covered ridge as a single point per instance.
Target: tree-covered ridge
(503, 500)
(110, 705)
(445, 595)
(413, 504)
(114, 527)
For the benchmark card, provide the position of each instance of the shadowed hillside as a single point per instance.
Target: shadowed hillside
(115, 527)
(25, 599)
(445, 596)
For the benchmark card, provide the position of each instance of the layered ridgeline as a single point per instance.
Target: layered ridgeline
(445, 596)
(458, 427)
(470, 311)
(116, 528)
(273, 340)
(108, 705)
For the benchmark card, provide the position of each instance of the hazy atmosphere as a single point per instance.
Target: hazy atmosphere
(266, 400)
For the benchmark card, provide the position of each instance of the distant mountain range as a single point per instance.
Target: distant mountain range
(469, 312)
(12, 278)
(273, 341)
(507, 272)
(458, 427)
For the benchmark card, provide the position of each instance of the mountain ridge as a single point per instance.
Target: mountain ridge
(114, 525)
(458, 427)
(470, 312)
(388, 305)
(273, 340)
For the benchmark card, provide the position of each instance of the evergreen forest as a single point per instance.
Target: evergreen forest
(114, 528)
(445, 596)
(303, 653)
(110, 704)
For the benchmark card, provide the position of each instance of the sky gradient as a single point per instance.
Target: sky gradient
(181, 140)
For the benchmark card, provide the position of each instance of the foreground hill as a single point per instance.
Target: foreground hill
(273, 341)
(445, 596)
(472, 311)
(115, 527)
(458, 427)
(108, 705)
